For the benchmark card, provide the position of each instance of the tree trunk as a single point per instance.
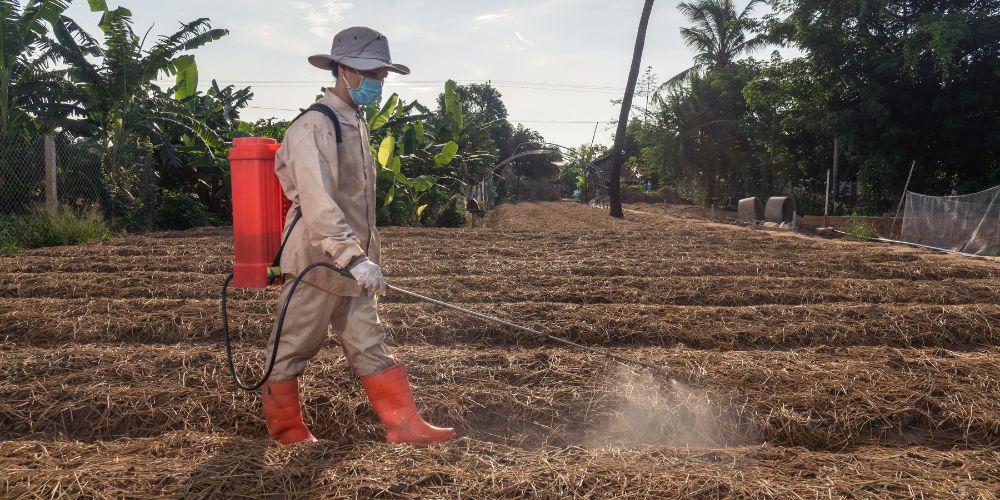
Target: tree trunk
(5, 100)
(614, 187)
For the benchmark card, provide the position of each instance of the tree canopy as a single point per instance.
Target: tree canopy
(890, 81)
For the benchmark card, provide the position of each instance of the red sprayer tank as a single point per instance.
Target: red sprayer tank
(259, 208)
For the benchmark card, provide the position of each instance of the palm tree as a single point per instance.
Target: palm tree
(26, 86)
(718, 33)
(614, 189)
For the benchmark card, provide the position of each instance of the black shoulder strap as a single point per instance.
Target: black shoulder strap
(274, 272)
(322, 108)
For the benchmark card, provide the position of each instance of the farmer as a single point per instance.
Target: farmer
(331, 184)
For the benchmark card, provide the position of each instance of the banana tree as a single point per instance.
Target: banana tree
(409, 165)
(114, 77)
(473, 164)
(185, 164)
(27, 86)
(422, 165)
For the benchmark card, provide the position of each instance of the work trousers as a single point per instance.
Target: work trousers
(354, 320)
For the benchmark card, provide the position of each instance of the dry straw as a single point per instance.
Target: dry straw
(808, 368)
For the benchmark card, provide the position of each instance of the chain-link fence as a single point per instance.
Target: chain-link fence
(59, 170)
(22, 172)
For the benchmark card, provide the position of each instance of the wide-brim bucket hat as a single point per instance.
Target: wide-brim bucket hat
(363, 49)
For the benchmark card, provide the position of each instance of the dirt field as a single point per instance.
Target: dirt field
(803, 368)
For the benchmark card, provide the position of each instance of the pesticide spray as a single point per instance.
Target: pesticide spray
(639, 411)
(259, 214)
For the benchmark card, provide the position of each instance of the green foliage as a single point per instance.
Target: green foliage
(30, 93)
(187, 76)
(718, 34)
(114, 79)
(527, 160)
(125, 176)
(418, 170)
(395, 186)
(101, 90)
(891, 81)
(904, 81)
(575, 171)
(700, 138)
(380, 119)
(19, 185)
(115, 94)
(11, 231)
(182, 211)
(860, 228)
(449, 212)
(270, 128)
(185, 165)
(455, 119)
(38, 228)
(538, 190)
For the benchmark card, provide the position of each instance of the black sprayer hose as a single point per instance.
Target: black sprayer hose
(277, 333)
(347, 274)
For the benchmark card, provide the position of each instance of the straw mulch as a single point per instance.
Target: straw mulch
(198, 465)
(802, 367)
(822, 399)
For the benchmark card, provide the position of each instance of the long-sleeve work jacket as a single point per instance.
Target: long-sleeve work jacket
(334, 185)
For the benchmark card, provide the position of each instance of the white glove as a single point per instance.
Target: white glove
(369, 276)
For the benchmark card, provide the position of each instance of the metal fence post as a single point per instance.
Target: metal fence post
(51, 195)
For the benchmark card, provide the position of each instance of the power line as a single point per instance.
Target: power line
(272, 109)
(491, 81)
(568, 122)
(510, 84)
(585, 122)
(506, 87)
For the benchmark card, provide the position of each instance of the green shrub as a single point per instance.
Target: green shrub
(452, 214)
(10, 226)
(7, 247)
(182, 211)
(860, 228)
(39, 229)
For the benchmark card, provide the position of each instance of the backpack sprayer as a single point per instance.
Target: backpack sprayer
(259, 212)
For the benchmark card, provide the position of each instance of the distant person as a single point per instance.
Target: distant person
(472, 206)
(332, 219)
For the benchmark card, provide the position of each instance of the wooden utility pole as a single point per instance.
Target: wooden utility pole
(901, 200)
(614, 187)
(51, 195)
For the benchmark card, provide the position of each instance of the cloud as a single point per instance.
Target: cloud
(323, 18)
(489, 18)
(522, 45)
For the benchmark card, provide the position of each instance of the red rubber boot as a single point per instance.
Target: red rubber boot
(389, 392)
(283, 412)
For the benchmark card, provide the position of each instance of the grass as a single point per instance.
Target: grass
(38, 228)
(860, 228)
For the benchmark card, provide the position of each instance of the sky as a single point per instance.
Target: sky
(558, 63)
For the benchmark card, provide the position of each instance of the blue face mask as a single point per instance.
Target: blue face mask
(369, 91)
